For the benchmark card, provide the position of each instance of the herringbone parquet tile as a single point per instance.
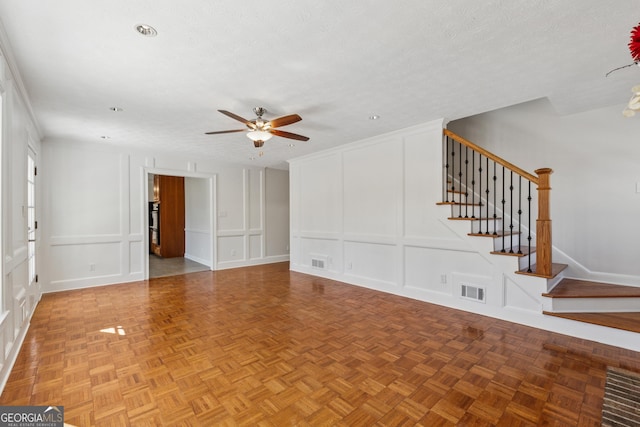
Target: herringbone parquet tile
(262, 346)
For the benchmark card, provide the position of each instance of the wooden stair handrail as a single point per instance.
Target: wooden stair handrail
(544, 265)
(492, 156)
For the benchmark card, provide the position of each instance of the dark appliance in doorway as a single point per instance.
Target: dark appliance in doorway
(154, 226)
(167, 216)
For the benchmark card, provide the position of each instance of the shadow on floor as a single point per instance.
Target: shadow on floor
(163, 267)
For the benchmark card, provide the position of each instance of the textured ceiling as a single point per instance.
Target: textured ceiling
(333, 62)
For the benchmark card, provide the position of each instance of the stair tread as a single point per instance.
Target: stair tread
(576, 288)
(555, 270)
(524, 250)
(626, 321)
(497, 234)
(459, 204)
(457, 218)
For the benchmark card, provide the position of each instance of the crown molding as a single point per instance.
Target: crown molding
(14, 74)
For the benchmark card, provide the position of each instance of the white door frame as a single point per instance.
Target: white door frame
(212, 217)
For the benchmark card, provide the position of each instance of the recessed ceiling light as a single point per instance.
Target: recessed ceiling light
(374, 117)
(116, 109)
(146, 30)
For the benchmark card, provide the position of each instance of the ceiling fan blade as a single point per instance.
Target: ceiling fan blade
(225, 131)
(285, 120)
(238, 118)
(289, 135)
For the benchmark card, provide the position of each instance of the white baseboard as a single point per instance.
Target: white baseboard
(198, 260)
(224, 265)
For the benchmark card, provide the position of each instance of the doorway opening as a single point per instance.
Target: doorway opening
(180, 224)
(164, 267)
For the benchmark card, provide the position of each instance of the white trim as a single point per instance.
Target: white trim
(224, 265)
(383, 138)
(197, 259)
(10, 61)
(90, 282)
(212, 177)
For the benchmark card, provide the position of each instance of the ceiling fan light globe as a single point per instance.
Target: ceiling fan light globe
(259, 135)
(634, 102)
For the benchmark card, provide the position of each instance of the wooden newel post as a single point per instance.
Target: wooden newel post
(543, 223)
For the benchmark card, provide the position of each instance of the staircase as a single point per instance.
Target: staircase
(598, 303)
(498, 201)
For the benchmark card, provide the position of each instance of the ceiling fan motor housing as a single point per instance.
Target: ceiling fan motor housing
(259, 111)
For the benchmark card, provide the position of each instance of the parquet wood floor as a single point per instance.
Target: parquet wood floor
(262, 346)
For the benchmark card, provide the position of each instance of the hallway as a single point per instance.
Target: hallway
(164, 267)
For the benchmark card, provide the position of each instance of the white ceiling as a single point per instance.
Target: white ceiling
(333, 62)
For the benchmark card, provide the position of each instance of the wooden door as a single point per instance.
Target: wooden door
(171, 215)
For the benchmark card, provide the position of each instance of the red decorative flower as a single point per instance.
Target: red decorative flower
(634, 44)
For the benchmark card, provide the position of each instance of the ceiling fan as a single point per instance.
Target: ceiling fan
(261, 130)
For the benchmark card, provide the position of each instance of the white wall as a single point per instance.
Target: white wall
(96, 219)
(240, 213)
(198, 235)
(595, 199)
(18, 296)
(277, 211)
(92, 214)
(367, 212)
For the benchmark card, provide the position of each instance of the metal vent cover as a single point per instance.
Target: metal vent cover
(474, 293)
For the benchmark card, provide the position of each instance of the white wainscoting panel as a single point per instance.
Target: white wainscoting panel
(87, 197)
(255, 246)
(373, 188)
(136, 264)
(422, 188)
(376, 264)
(276, 223)
(231, 248)
(517, 296)
(328, 248)
(255, 196)
(231, 203)
(320, 198)
(88, 260)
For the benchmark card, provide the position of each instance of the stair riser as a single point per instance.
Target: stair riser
(510, 242)
(523, 262)
(591, 305)
(465, 211)
(476, 226)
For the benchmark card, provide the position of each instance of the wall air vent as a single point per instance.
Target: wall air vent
(473, 293)
(319, 261)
